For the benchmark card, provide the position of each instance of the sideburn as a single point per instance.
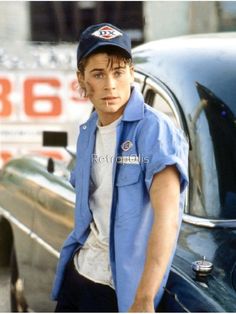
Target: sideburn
(89, 90)
(84, 92)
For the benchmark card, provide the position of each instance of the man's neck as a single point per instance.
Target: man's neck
(106, 119)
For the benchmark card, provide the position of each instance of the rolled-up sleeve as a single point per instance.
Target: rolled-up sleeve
(161, 145)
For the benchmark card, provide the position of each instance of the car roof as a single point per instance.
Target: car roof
(180, 62)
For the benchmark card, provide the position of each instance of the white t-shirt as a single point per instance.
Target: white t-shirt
(92, 261)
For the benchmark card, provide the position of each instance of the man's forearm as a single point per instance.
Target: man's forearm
(164, 196)
(160, 246)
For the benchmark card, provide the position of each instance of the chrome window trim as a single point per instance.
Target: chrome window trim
(139, 78)
(5, 213)
(209, 223)
(157, 88)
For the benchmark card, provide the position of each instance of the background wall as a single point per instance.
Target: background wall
(148, 20)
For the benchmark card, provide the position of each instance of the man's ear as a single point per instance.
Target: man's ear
(80, 78)
(82, 89)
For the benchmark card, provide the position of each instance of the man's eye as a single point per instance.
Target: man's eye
(98, 75)
(118, 73)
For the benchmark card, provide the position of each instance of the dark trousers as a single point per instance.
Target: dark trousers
(79, 294)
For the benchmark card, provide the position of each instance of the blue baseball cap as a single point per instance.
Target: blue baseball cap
(99, 35)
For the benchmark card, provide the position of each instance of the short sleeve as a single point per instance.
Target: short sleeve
(161, 144)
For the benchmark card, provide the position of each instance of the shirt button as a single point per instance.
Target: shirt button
(85, 127)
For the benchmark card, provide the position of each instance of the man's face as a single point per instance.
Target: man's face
(108, 88)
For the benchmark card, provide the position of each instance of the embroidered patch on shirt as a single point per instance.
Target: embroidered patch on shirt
(107, 32)
(126, 145)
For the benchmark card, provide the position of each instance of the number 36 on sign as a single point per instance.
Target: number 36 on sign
(38, 95)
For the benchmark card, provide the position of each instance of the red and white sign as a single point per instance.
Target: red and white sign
(32, 102)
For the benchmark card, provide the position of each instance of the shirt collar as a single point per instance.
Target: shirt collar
(134, 109)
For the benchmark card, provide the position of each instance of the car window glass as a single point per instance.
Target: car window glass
(162, 105)
(158, 98)
(222, 127)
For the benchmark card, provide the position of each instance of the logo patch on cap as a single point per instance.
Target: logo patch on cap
(107, 32)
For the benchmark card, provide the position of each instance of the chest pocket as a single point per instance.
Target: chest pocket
(128, 174)
(129, 192)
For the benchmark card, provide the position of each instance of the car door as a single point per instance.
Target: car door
(18, 210)
(53, 221)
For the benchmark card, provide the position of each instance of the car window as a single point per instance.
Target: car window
(139, 81)
(221, 122)
(158, 98)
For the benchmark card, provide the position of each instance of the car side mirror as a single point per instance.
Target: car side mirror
(50, 165)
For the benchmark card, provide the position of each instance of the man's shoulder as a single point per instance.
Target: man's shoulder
(154, 118)
(157, 124)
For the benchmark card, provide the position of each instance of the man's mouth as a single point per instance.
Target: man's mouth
(109, 98)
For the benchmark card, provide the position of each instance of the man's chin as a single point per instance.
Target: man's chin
(112, 108)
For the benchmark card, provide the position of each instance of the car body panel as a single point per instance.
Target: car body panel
(42, 215)
(181, 62)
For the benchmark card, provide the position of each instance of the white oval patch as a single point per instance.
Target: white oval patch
(126, 145)
(107, 32)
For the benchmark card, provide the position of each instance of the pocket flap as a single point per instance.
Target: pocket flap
(128, 174)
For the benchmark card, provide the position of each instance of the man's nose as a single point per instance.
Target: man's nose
(110, 82)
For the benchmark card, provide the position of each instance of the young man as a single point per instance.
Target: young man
(129, 179)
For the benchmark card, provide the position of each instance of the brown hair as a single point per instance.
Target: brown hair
(115, 54)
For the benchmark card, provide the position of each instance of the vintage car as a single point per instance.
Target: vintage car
(192, 79)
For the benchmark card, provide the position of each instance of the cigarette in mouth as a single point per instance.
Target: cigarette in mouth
(107, 103)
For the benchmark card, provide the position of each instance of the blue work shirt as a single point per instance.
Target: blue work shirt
(150, 143)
